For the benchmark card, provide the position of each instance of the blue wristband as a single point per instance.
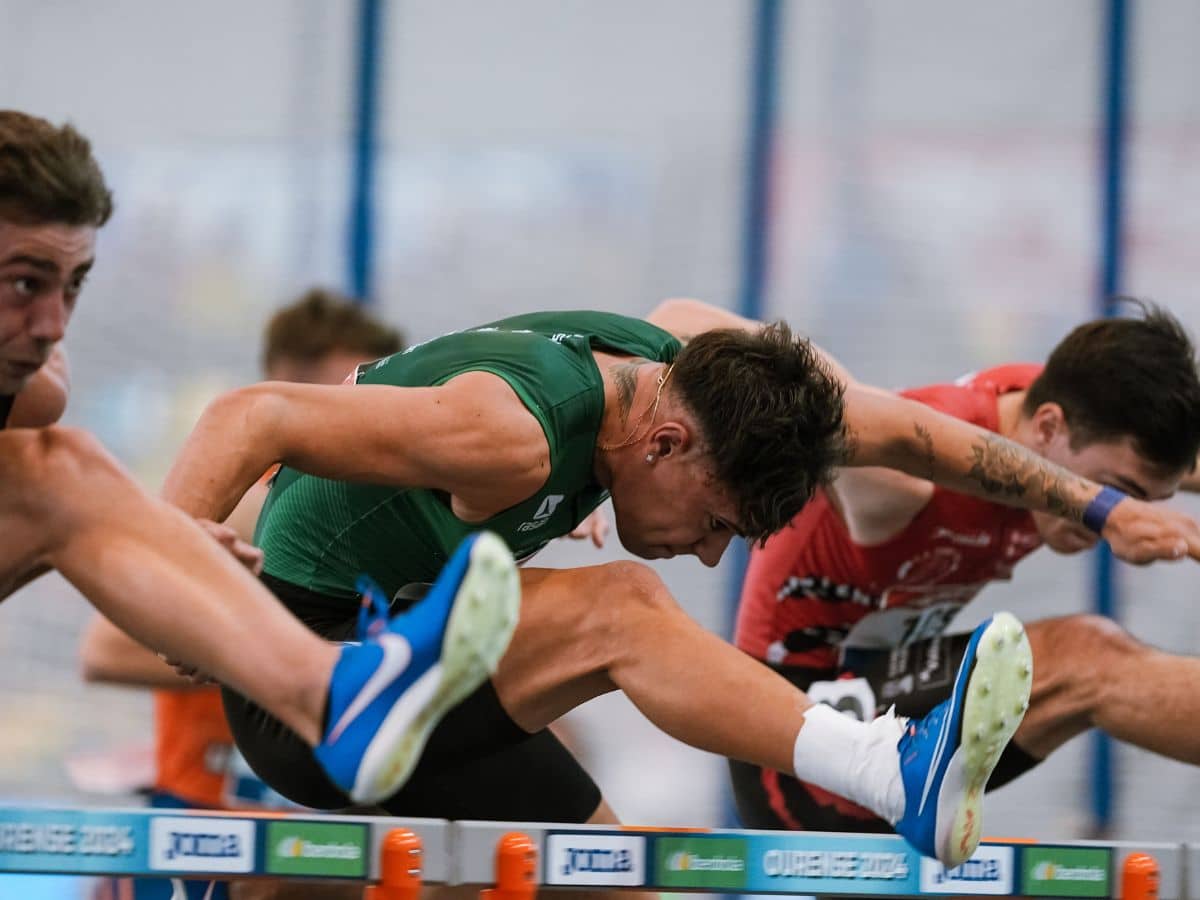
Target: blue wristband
(1097, 511)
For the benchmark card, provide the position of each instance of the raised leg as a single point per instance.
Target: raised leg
(1088, 672)
(66, 503)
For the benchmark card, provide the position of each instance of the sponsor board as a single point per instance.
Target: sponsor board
(1066, 871)
(990, 870)
(201, 844)
(701, 862)
(595, 859)
(317, 848)
(36, 840)
(820, 864)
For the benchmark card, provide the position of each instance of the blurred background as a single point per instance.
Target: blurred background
(919, 186)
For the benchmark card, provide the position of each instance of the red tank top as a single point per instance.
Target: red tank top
(811, 588)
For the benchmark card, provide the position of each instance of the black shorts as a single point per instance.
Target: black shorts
(914, 679)
(478, 764)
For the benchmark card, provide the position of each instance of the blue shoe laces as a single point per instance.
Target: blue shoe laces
(374, 611)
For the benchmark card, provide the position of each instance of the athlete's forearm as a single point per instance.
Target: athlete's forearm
(107, 655)
(244, 517)
(685, 318)
(891, 431)
(228, 450)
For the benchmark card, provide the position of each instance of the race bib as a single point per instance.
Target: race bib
(852, 696)
(899, 627)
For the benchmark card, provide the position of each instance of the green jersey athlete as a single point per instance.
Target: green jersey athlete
(321, 534)
(522, 427)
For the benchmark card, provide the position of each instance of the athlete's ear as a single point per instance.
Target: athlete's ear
(668, 438)
(1050, 425)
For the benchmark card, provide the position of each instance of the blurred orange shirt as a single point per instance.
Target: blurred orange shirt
(192, 742)
(192, 746)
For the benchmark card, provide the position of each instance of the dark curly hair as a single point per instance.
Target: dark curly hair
(49, 175)
(1127, 377)
(771, 416)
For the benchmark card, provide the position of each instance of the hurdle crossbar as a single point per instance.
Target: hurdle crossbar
(237, 845)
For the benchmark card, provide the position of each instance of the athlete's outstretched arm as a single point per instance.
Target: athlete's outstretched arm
(107, 655)
(897, 433)
(471, 437)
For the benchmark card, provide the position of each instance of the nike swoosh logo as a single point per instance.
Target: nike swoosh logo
(944, 734)
(396, 656)
(937, 758)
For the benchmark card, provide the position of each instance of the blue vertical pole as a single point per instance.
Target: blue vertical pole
(764, 76)
(1113, 141)
(366, 113)
(755, 243)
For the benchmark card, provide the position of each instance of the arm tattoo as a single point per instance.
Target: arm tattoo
(625, 377)
(1003, 468)
(927, 442)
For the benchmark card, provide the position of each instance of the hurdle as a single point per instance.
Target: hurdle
(518, 858)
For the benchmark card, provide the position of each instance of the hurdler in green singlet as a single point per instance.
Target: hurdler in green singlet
(321, 534)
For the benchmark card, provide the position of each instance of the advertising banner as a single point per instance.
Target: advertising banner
(201, 844)
(1066, 871)
(36, 840)
(317, 848)
(697, 861)
(585, 858)
(990, 870)
(831, 864)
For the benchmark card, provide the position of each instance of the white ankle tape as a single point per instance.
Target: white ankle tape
(856, 760)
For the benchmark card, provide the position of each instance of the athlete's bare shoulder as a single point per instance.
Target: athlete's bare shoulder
(43, 399)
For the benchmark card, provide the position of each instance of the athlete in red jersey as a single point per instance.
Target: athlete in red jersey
(851, 602)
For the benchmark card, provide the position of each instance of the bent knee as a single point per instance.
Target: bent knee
(1086, 643)
(634, 586)
(636, 608)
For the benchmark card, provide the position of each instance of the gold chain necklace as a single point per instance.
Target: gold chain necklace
(651, 411)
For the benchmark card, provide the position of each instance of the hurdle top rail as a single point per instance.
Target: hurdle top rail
(234, 845)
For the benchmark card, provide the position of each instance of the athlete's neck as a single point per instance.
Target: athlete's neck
(632, 389)
(1012, 418)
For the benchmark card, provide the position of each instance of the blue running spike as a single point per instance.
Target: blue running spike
(388, 693)
(947, 757)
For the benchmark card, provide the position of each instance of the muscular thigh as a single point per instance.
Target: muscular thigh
(568, 634)
(54, 482)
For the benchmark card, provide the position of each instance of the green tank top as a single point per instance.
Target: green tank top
(321, 534)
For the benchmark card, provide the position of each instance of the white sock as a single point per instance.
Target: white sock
(856, 760)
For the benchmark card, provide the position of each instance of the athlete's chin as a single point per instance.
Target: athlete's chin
(14, 378)
(647, 551)
(653, 553)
